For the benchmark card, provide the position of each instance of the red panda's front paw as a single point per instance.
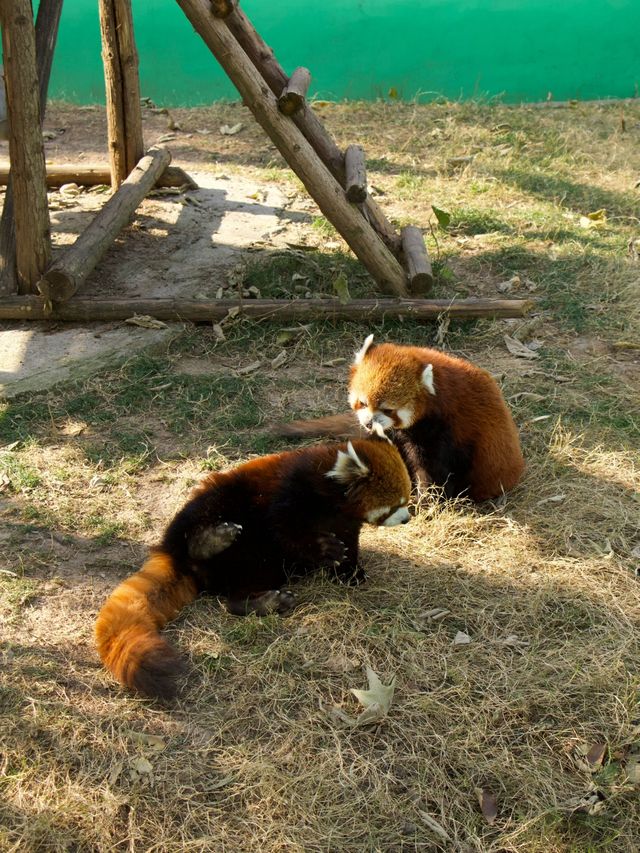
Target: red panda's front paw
(333, 551)
(351, 576)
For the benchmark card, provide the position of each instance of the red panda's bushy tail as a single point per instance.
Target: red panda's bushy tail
(127, 628)
(340, 426)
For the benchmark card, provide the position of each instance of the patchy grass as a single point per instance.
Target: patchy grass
(545, 584)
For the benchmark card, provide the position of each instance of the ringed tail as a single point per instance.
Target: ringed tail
(341, 426)
(128, 626)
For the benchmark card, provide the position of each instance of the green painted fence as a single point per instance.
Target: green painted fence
(518, 50)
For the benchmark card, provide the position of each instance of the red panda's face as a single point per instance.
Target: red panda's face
(389, 387)
(376, 480)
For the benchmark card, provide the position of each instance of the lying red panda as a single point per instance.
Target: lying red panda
(242, 535)
(446, 416)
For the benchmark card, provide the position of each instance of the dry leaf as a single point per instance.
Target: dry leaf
(227, 130)
(518, 349)
(554, 499)
(488, 805)
(250, 368)
(141, 769)
(591, 802)
(279, 360)
(218, 332)
(166, 137)
(376, 700)
(341, 663)
(341, 287)
(115, 772)
(154, 742)
(433, 825)
(461, 639)
(333, 362)
(72, 428)
(632, 769)
(145, 322)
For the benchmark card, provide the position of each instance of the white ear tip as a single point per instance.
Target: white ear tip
(427, 379)
(363, 350)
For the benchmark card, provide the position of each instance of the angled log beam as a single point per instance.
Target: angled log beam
(306, 120)
(222, 8)
(204, 311)
(297, 151)
(98, 174)
(73, 266)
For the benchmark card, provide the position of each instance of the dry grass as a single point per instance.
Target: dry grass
(253, 756)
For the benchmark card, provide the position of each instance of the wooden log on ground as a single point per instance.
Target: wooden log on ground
(293, 95)
(32, 243)
(299, 154)
(222, 8)
(355, 182)
(68, 272)
(124, 113)
(417, 260)
(87, 175)
(287, 310)
(306, 120)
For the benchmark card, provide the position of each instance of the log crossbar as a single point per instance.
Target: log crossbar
(294, 93)
(206, 311)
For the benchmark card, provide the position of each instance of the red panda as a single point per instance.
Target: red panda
(446, 416)
(242, 535)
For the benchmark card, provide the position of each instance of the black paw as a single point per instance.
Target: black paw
(280, 601)
(206, 542)
(332, 550)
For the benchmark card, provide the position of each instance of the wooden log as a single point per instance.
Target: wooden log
(222, 8)
(355, 182)
(88, 175)
(124, 113)
(417, 260)
(68, 272)
(293, 95)
(299, 154)
(47, 22)
(306, 120)
(287, 310)
(26, 151)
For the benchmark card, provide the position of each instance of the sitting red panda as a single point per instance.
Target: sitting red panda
(242, 535)
(446, 416)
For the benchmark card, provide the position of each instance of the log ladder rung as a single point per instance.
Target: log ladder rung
(355, 184)
(416, 260)
(294, 93)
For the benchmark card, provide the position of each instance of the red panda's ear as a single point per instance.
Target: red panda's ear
(349, 467)
(427, 379)
(363, 350)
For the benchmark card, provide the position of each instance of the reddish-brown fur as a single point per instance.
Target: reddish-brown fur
(241, 535)
(467, 399)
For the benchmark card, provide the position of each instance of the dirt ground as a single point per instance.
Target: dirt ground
(512, 629)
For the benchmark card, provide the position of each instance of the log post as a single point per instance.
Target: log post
(416, 260)
(299, 154)
(294, 93)
(305, 310)
(88, 175)
(47, 22)
(68, 272)
(306, 120)
(355, 183)
(26, 151)
(124, 115)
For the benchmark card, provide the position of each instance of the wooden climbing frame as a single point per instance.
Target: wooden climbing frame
(32, 285)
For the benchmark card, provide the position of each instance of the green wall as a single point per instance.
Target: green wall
(516, 49)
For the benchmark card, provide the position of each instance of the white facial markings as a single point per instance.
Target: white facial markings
(400, 516)
(363, 350)
(427, 379)
(348, 466)
(356, 459)
(375, 514)
(353, 399)
(405, 416)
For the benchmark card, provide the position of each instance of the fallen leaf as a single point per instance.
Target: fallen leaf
(166, 137)
(154, 742)
(591, 802)
(218, 332)
(141, 769)
(341, 287)
(341, 663)
(115, 772)
(507, 286)
(376, 700)
(519, 349)
(145, 322)
(433, 825)
(488, 805)
(442, 216)
(250, 368)
(598, 215)
(72, 428)
(393, 93)
(554, 499)
(461, 639)
(279, 360)
(228, 130)
(595, 756)
(333, 362)
(632, 769)
(464, 160)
